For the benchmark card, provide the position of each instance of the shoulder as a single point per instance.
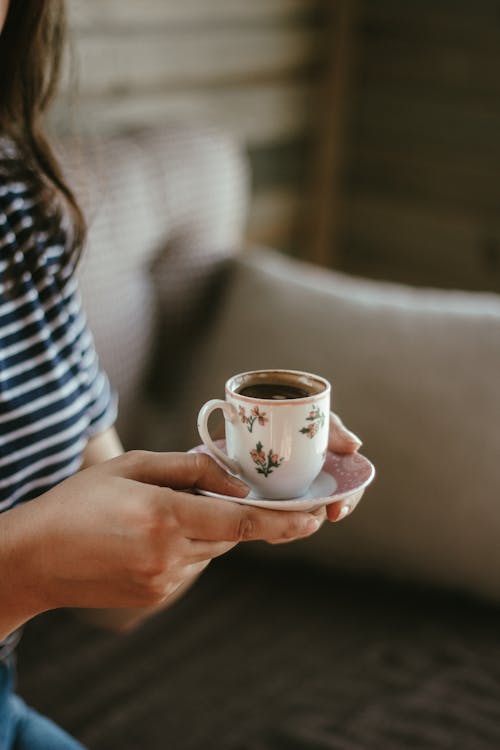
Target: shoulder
(19, 216)
(31, 229)
(16, 219)
(16, 192)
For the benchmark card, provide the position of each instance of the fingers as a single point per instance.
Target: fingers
(320, 515)
(209, 519)
(201, 518)
(180, 471)
(343, 508)
(342, 440)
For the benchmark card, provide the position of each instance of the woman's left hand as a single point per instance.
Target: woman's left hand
(342, 440)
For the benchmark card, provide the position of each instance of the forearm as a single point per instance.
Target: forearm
(23, 549)
(23, 593)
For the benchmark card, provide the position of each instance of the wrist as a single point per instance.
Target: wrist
(22, 590)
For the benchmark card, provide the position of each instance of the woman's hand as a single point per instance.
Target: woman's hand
(342, 440)
(128, 533)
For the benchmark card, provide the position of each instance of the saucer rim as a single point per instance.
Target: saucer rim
(292, 503)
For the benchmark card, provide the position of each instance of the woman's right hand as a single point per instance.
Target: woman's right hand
(125, 533)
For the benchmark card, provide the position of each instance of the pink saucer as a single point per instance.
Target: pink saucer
(344, 476)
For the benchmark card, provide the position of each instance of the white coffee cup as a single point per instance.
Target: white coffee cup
(277, 425)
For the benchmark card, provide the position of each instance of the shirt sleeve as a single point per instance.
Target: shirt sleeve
(102, 399)
(103, 406)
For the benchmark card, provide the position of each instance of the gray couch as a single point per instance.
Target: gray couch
(381, 631)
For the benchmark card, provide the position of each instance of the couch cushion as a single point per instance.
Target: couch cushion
(415, 372)
(165, 206)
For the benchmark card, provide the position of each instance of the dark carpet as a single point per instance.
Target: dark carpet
(262, 657)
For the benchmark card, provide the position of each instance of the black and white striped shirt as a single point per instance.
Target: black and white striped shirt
(53, 394)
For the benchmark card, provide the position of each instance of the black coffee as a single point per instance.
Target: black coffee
(273, 391)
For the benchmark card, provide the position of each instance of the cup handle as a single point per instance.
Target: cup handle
(230, 414)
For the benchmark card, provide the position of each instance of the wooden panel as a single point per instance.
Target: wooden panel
(264, 113)
(423, 122)
(127, 63)
(416, 244)
(241, 65)
(450, 21)
(427, 177)
(327, 163)
(90, 14)
(467, 70)
(273, 218)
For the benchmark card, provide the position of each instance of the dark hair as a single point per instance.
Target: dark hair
(31, 50)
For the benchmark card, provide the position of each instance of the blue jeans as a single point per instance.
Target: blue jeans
(22, 728)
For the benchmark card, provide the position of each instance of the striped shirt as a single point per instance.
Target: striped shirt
(53, 395)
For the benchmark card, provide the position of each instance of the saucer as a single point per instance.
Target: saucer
(344, 476)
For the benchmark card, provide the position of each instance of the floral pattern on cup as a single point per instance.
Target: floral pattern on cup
(317, 419)
(265, 464)
(255, 416)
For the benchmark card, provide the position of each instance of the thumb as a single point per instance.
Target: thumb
(179, 471)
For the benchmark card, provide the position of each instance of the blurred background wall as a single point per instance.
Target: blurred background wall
(372, 126)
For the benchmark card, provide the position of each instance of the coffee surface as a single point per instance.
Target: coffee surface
(273, 391)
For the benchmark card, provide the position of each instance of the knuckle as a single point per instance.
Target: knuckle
(145, 589)
(246, 528)
(202, 462)
(133, 458)
(155, 580)
(135, 455)
(153, 563)
(161, 522)
(294, 528)
(158, 527)
(154, 590)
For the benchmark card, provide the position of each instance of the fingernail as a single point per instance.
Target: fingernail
(353, 438)
(344, 511)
